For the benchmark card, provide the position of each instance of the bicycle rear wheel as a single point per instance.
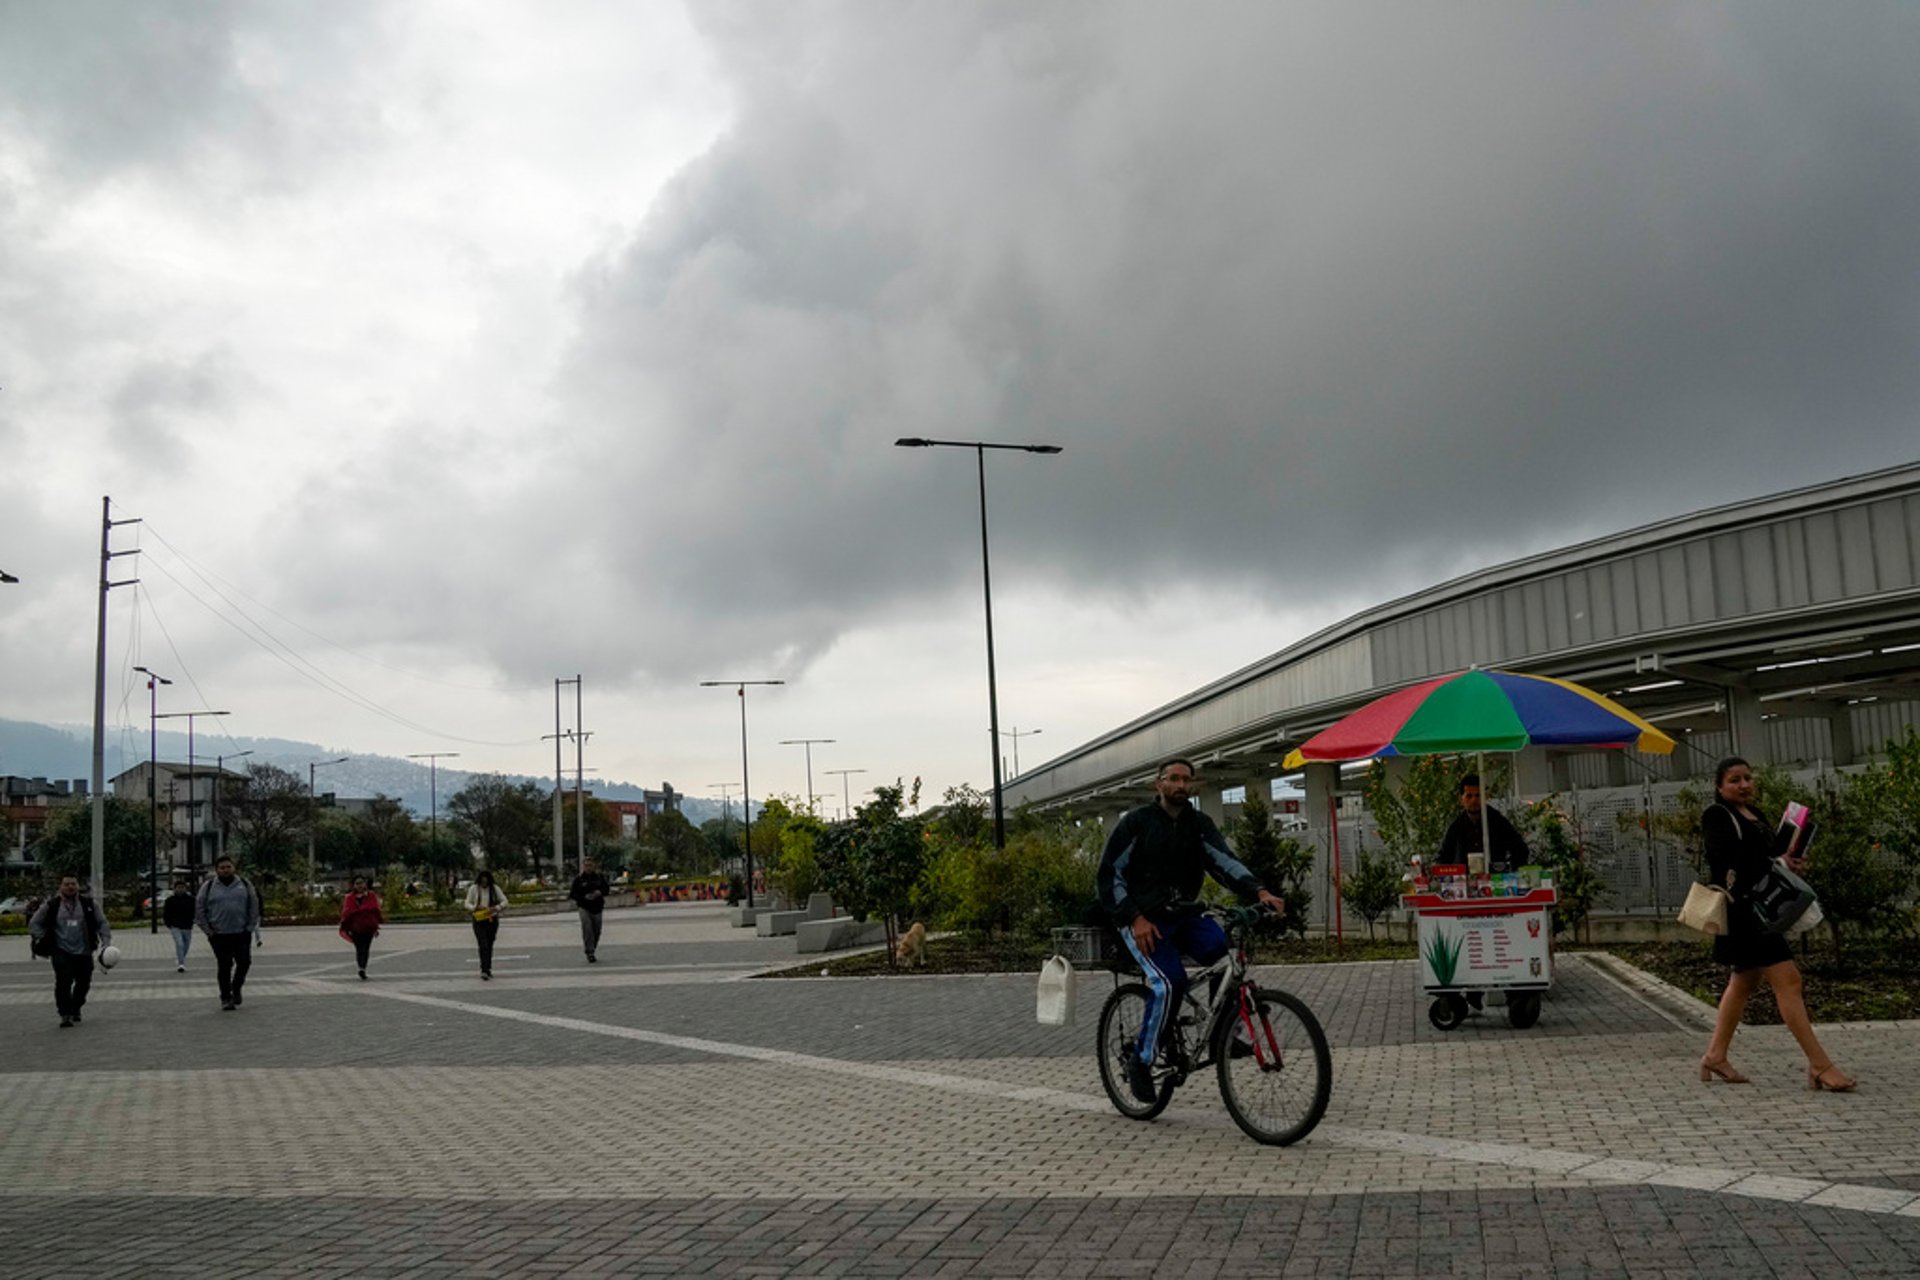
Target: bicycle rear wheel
(1276, 1100)
(1121, 1018)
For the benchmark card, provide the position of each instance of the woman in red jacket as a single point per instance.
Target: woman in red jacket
(360, 920)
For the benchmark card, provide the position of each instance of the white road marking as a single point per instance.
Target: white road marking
(1837, 1195)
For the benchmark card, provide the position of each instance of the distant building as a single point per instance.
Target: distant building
(190, 800)
(26, 806)
(634, 814)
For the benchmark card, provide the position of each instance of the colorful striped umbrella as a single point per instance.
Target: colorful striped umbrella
(1479, 710)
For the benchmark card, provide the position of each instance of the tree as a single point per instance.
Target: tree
(386, 834)
(1554, 839)
(672, 841)
(795, 873)
(1374, 889)
(505, 820)
(444, 851)
(870, 865)
(1281, 863)
(65, 847)
(267, 814)
(1413, 817)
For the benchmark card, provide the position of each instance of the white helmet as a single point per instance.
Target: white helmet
(109, 957)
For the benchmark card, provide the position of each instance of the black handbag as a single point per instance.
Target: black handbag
(1779, 898)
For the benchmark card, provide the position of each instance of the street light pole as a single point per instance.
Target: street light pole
(1016, 734)
(980, 448)
(219, 787)
(846, 799)
(433, 759)
(193, 801)
(808, 743)
(311, 816)
(746, 786)
(153, 797)
(726, 810)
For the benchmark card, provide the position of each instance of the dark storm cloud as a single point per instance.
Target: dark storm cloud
(1314, 297)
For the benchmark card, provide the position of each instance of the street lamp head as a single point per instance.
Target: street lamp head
(911, 442)
(153, 675)
(1043, 448)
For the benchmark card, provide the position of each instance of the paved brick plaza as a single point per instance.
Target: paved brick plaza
(658, 1114)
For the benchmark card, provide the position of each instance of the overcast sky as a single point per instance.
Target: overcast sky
(446, 348)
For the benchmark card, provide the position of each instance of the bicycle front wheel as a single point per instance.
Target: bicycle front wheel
(1120, 1021)
(1277, 1098)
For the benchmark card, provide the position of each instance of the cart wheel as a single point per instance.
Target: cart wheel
(1447, 1011)
(1523, 1010)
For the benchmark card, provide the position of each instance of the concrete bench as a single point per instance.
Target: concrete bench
(777, 924)
(819, 906)
(836, 934)
(742, 917)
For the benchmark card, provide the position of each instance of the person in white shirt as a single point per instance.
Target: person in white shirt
(485, 902)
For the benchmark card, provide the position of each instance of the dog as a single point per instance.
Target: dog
(911, 950)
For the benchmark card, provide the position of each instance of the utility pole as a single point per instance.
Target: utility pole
(433, 759)
(559, 779)
(107, 555)
(153, 796)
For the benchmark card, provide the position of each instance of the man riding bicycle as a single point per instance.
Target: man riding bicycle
(1150, 878)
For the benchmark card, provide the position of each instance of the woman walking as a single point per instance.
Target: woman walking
(360, 920)
(1739, 844)
(484, 904)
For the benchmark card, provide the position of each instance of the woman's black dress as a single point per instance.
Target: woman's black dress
(1738, 844)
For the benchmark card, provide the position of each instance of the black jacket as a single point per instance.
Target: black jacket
(177, 910)
(1154, 861)
(1510, 852)
(590, 890)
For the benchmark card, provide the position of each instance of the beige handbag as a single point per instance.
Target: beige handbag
(1706, 909)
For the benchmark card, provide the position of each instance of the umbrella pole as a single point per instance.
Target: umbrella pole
(1486, 821)
(1339, 916)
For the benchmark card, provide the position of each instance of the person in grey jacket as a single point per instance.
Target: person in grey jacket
(73, 928)
(228, 911)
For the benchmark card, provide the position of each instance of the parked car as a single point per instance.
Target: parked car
(13, 906)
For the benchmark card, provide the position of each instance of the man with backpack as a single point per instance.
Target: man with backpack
(68, 929)
(227, 909)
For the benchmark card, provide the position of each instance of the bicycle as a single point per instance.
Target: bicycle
(1266, 1047)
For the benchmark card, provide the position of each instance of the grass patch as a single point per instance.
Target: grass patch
(1867, 984)
(973, 954)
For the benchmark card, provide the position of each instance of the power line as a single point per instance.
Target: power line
(209, 577)
(306, 668)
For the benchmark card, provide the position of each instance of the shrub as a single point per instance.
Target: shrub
(1281, 863)
(1374, 889)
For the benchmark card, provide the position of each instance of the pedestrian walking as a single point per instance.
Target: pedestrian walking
(484, 904)
(178, 913)
(68, 929)
(589, 894)
(360, 920)
(227, 909)
(1739, 853)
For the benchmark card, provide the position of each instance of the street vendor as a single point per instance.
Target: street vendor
(1509, 853)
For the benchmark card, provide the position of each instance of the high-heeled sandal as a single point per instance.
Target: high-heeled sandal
(1722, 1071)
(1817, 1079)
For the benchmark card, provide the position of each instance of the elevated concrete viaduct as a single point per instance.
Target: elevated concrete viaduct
(1786, 628)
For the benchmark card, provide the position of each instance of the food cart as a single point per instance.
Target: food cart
(1484, 944)
(1485, 936)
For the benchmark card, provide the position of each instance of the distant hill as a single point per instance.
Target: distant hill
(66, 751)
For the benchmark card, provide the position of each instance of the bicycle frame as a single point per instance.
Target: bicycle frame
(1234, 989)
